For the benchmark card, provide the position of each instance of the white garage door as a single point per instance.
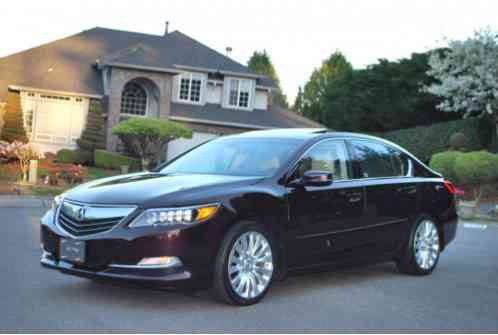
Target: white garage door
(179, 146)
(53, 121)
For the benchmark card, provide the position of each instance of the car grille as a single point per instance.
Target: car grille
(83, 220)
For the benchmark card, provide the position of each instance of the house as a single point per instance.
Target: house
(169, 76)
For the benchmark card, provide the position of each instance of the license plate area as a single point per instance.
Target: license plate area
(72, 251)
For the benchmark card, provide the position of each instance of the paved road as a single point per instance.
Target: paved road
(462, 294)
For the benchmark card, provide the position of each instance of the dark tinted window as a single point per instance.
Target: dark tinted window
(236, 156)
(328, 156)
(378, 160)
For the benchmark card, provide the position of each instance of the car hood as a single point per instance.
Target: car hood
(150, 189)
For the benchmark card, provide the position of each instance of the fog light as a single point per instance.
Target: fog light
(164, 261)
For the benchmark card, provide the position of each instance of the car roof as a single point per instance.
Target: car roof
(300, 133)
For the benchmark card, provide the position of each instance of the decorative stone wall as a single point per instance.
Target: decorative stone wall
(119, 78)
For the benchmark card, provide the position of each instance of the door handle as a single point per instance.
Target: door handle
(355, 198)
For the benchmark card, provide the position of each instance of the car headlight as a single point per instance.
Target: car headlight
(57, 201)
(175, 217)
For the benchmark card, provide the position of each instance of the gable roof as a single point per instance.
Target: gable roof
(68, 64)
(274, 117)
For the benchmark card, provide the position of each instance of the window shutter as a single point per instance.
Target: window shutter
(226, 92)
(252, 95)
(175, 88)
(203, 89)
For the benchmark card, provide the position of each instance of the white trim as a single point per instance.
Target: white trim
(189, 76)
(218, 123)
(230, 73)
(250, 98)
(145, 68)
(40, 90)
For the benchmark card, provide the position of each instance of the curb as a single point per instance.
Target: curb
(17, 201)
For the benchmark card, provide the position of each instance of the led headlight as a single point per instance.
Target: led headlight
(175, 217)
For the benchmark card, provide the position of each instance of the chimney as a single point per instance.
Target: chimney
(229, 51)
(167, 27)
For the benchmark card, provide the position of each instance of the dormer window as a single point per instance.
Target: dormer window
(190, 87)
(239, 93)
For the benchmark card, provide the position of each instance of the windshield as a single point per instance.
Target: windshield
(236, 157)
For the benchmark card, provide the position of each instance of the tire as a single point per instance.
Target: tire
(421, 252)
(251, 269)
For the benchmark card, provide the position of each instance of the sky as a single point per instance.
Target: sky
(298, 35)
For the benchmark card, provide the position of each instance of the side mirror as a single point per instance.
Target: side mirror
(313, 178)
(317, 178)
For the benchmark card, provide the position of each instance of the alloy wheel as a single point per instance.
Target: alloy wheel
(250, 265)
(426, 245)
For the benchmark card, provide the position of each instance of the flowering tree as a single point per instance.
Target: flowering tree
(23, 153)
(467, 75)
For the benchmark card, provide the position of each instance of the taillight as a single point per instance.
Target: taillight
(449, 186)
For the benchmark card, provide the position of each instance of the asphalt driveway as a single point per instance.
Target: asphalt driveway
(462, 294)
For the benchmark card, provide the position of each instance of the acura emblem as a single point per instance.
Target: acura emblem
(81, 213)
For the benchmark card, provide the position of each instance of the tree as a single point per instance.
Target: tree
(148, 138)
(13, 127)
(261, 63)
(298, 103)
(314, 102)
(385, 96)
(92, 137)
(467, 77)
(24, 153)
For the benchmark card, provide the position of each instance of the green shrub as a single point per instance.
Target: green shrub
(424, 142)
(13, 126)
(111, 160)
(476, 169)
(68, 156)
(444, 163)
(147, 138)
(92, 137)
(458, 141)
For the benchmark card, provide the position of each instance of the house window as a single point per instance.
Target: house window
(134, 99)
(190, 87)
(239, 93)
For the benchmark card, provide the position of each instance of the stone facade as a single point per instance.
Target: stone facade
(118, 79)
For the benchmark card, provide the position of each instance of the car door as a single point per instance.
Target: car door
(390, 192)
(319, 217)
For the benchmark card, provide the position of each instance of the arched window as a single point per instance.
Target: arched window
(133, 99)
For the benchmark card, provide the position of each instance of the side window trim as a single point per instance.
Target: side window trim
(295, 164)
(358, 171)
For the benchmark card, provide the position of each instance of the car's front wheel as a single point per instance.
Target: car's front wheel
(422, 250)
(245, 265)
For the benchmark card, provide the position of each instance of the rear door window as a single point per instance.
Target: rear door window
(377, 160)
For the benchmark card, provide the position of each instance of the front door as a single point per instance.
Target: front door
(321, 217)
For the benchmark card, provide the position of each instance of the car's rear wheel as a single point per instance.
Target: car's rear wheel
(244, 266)
(421, 252)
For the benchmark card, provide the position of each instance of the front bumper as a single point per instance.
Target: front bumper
(115, 255)
(154, 276)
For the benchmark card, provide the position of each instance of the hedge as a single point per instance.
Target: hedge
(425, 141)
(111, 160)
(68, 156)
(444, 163)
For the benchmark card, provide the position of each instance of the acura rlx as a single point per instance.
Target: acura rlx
(239, 212)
